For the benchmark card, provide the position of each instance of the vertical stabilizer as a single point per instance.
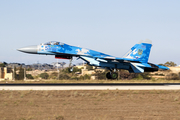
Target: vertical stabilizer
(140, 51)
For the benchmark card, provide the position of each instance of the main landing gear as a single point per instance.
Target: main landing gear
(70, 67)
(112, 75)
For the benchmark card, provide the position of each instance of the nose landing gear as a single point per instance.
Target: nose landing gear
(70, 67)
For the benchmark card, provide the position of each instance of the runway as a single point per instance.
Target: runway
(90, 86)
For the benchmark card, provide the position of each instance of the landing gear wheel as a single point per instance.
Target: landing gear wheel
(108, 75)
(114, 75)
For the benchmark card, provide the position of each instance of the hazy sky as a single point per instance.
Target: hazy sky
(108, 26)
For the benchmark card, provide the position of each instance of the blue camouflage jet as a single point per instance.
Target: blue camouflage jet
(135, 60)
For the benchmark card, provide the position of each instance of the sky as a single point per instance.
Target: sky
(108, 26)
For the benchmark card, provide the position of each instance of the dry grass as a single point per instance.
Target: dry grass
(89, 105)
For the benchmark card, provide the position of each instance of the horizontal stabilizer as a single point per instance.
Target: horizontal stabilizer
(137, 68)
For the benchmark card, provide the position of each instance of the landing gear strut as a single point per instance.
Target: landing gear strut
(70, 67)
(112, 75)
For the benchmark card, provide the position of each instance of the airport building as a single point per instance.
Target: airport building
(6, 73)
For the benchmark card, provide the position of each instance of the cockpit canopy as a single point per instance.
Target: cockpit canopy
(53, 43)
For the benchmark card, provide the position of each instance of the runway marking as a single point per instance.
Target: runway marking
(165, 87)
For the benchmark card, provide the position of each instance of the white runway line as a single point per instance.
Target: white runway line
(142, 87)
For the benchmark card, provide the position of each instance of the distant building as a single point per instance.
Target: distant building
(6, 73)
(58, 64)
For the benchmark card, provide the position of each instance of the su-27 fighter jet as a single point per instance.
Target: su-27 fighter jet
(135, 60)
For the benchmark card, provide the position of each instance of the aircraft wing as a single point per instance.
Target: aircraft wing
(100, 57)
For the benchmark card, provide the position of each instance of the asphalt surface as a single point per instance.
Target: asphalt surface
(92, 86)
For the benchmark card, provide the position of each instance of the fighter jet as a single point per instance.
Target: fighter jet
(135, 60)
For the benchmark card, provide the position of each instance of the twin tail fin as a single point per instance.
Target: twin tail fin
(140, 51)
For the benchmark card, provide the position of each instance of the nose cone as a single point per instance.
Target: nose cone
(29, 49)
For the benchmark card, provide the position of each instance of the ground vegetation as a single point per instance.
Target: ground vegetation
(3, 64)
(29, 76)
(21, 73)
(44, 75)
(173, 76)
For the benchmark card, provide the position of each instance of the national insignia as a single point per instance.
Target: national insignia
(140, 52)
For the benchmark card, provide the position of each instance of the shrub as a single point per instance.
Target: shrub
(29, 76)
(54, 75)
(63, 77)
(74, 78)
(29, 69)
(100, 74)
(85, 77)
(75, 69)
(156, 74)
(88, 67)
(139, 77)
(44, 75)
(172, 76)
(123, 74)
(146, 75)
(161, 74)
(36, 77)
(81, 78)
(2, 65)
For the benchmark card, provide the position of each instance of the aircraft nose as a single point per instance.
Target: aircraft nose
(29, 49)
